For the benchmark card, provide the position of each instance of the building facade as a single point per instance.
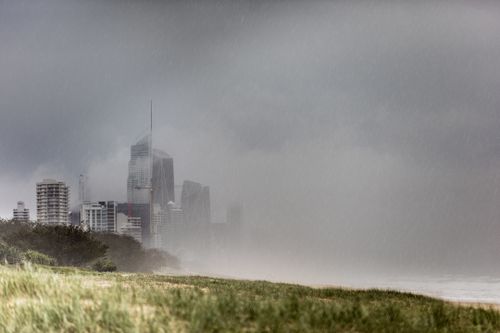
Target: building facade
(99, 216)
(163, 179)
(21, 213)
(52, 202)
(129, 226)
(131, 219)
(139, 172)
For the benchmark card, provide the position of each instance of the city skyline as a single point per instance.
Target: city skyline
(150, 214)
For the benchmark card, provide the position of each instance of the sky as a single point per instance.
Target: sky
(358, 136)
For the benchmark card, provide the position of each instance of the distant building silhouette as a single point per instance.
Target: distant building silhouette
(175, 213)
(83, 189)
(52, 202)
(139, 185)
(163, 179)
(195, 202)
(172, 232)
(21, 213)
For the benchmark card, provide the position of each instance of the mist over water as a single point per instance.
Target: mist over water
(360, 138)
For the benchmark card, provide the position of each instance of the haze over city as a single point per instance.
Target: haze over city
(358, 137)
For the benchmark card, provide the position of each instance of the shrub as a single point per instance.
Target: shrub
(39, 258)
(104, 265)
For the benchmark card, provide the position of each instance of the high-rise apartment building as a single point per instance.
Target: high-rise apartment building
(109, 210)
(99, 216)
(52, 202)
(91, 215)
(21, 213)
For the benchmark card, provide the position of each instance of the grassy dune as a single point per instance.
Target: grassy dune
(70, 300)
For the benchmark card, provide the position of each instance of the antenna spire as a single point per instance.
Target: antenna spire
(151, 109)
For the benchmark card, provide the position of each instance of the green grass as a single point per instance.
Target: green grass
(35, 298)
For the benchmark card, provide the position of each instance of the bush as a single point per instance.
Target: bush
(10, 254)
(39, 258)
(104, 265)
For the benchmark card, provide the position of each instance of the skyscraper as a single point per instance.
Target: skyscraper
(139, 172)
(139, 185)
(163, 179)
(150, 181)
(195, 202)
(52, 202)
(21, 213)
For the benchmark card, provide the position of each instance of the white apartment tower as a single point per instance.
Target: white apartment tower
(52, 202)
(21, 213)
(98, 216)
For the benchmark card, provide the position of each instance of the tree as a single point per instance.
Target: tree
(129, 255)
(69, 245)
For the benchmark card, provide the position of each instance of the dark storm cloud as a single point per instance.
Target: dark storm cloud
(375, 123)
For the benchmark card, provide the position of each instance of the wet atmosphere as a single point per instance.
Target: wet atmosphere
(361, 139)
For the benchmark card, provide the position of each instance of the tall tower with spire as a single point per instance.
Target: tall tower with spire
(150, 182)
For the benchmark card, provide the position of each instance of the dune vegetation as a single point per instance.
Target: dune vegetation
(56, 299)
(72, 246)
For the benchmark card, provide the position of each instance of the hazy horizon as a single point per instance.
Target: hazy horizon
(357, 136)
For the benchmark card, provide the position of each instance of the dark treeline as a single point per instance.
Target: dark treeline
(72, 246)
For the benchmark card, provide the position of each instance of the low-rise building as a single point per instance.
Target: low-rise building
(21, 213)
